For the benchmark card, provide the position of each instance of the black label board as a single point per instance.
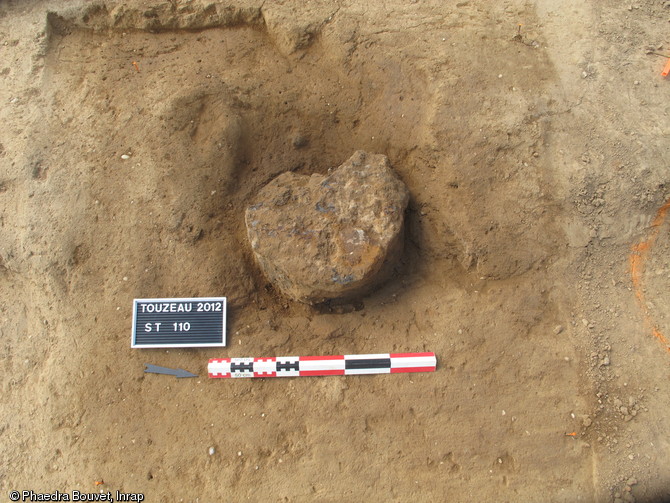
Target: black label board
(179, 323)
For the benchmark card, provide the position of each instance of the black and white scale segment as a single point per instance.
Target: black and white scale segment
(295, 366)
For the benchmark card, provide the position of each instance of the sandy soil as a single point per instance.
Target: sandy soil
(534, 139)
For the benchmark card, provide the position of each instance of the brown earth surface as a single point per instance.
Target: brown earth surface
(534, 139)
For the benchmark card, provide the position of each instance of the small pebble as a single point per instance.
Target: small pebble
(299, 141)
(239, 453)
(212, 451)
(125, 157)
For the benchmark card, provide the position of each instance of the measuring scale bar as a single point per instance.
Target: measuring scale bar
(300, 366)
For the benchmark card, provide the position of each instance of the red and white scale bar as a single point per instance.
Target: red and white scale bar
(294, 366)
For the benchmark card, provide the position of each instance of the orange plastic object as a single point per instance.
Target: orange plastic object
(666, 70)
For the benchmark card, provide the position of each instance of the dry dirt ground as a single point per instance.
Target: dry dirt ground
(534, 138)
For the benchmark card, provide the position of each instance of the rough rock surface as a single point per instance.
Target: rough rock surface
(325, 237)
